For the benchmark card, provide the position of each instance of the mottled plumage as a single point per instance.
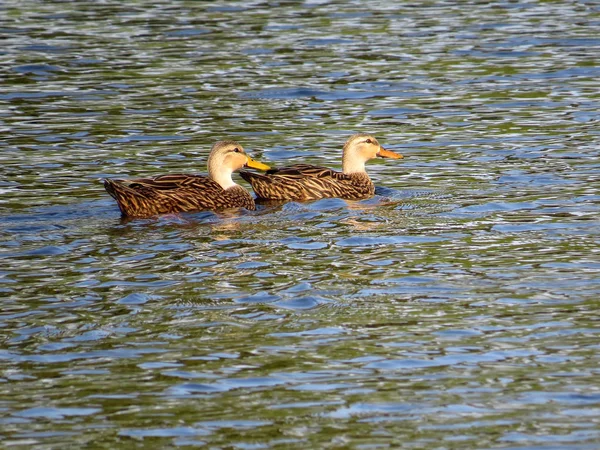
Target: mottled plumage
(307, 182)
(175, 193)
(145, 197)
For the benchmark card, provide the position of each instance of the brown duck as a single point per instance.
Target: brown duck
(145, 197)
(307, 182)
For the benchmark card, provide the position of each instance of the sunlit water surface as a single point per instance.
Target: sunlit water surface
(456, 309)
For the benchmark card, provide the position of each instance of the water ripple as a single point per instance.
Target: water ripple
(455, 308)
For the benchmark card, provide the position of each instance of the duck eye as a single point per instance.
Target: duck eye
(369, 141)
(237, 150)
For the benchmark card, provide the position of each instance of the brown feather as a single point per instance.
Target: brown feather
(306, 182)
(145, 197)
(179, 192)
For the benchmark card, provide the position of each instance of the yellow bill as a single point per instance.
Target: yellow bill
(383, 153)
(252, 163)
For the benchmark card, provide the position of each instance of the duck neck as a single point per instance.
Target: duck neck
(352, 165)
(222, 177)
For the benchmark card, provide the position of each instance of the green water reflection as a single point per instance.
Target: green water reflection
(456, 309)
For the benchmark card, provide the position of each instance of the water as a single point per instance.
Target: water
(456, 309)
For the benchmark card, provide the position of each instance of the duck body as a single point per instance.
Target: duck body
(302, 182)
(173, 193)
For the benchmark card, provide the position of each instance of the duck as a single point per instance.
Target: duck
(304, 182)
(179, 192)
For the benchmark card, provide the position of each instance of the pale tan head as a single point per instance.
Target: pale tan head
(360, 148)
(225, 158)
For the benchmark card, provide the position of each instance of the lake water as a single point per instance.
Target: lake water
(456, 309)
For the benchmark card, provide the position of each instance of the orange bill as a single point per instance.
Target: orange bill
(383, 153)
(256, 164)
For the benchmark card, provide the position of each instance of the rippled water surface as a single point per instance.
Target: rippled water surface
(458, 308)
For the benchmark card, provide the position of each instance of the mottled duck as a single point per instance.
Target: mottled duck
(303, 182)
(173, 193)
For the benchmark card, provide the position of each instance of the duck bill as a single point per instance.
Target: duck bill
(383, 153)
(252, 163)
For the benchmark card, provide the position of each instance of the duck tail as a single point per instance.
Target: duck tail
(250, 177)
(264, 186)
(128, 199)
(111, 187)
